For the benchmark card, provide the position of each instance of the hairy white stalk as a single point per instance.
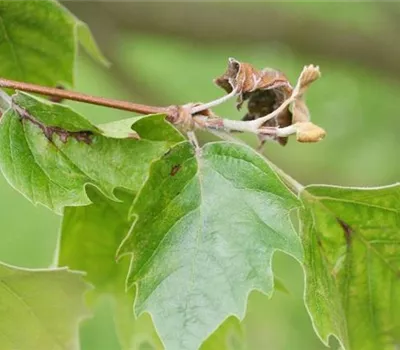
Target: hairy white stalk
(214, 103)
(286, 131)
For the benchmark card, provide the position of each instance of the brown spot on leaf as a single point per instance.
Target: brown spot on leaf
(175, 169)
(49, 131)
(348, 231)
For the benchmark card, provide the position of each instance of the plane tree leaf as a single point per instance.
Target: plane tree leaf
(89, 240)
(351, 240)
(40, 309)
(51, 153)
(207, 225)
(39, 41)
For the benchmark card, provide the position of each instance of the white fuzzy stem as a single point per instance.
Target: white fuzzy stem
(239, 125)
(286, 131)
(214, 103)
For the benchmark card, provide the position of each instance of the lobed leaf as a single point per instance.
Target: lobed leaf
(50, 153)
(46, 304)
(207, 226)
(88, 242)
(351, 239)
(39, 40)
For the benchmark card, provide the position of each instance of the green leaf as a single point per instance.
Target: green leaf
(89, 44)
(40, 309)
(39, 40)
(352, 247)
(207, 226)
(89, 240)
(229, 336)
(50, 153)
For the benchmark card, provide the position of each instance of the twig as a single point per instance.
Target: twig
(76, 96)
(214, 103)
(202, 121)
(229, 125)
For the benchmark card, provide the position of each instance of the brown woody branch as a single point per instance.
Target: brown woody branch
(80, 97)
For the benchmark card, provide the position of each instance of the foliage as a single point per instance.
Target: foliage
(171, 231)
(351, 238)
(40, 309)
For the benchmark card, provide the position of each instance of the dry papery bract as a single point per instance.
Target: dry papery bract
(274, 106)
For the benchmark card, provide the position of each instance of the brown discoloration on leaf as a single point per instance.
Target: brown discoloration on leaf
(175, 169)
(49, 131)
(348, 231)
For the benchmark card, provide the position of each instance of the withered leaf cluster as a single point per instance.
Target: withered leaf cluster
(265, 90)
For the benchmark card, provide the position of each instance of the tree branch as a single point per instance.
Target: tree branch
(76, 96)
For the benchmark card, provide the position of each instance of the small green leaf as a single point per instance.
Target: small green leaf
(89, 240)
(352, 247)
(39, 40)
(40, 309)
(50, 153)
(207, 226)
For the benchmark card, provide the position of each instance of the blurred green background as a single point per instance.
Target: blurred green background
(169, 53)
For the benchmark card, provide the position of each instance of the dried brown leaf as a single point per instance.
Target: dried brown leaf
(246, 79)
(264, 89)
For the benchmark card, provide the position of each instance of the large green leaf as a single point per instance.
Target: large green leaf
(89, 240)
(352, 260)
(50, 153)
(38, 42)
(40, 309)
(207, 226)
